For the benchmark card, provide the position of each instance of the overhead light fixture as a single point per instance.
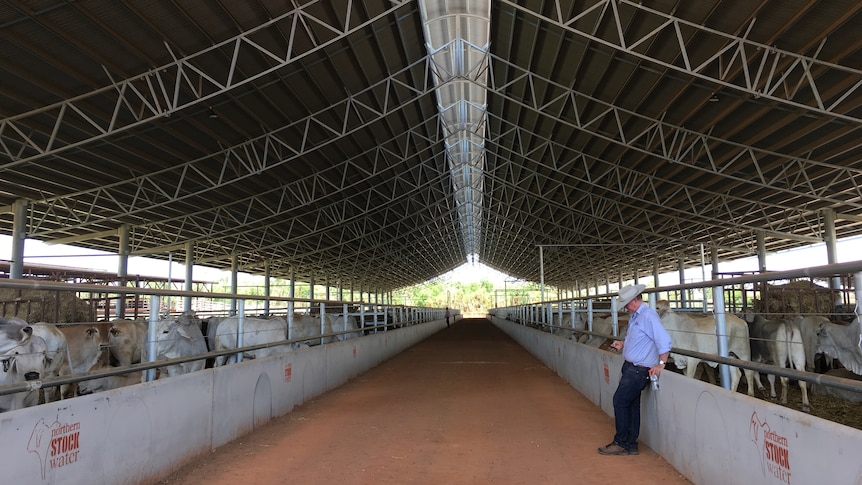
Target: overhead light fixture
(213, 114)
(713, 98)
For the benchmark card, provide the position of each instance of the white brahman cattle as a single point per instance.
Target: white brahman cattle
(107, 383)
(842, 342)
(305, 325)
(22, 363)
(13, 332)
(86, 344)
(57, 353)
(562, 327)
(698, 333)
(211, 325)
(602, 324)
(810, 327)
(255, 331)
(777, 342)
(126, 341)
(180, 336)
(340, 323)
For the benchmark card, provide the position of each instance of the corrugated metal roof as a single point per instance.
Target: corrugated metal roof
(308, 134)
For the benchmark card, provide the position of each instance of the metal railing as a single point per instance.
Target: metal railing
(541, 316)
(372, 318)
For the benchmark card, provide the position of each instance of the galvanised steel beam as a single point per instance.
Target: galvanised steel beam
(393, 211)
(240, 214)
(766, 71)
(676, 144)
(703, 205)
(419, 243)
(192, 179)
(167, 89)
(291, 230)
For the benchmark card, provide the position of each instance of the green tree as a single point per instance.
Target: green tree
(474, 297)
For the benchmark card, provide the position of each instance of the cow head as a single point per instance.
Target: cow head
(95, 335)
(174, 332)
(13, 332)
(662, 307)
(166, 333)
(821, 329)
(26, 362)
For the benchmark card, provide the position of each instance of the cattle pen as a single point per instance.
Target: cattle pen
(434, 412)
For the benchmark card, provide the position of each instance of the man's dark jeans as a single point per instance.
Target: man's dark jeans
(627, 405)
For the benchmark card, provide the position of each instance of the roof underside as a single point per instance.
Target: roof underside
(309, 136)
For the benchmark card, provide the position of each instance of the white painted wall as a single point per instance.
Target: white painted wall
(142, 433)
(710, 435)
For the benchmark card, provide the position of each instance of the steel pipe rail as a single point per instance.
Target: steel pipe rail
(839, 382)
(145, 366)
(29, 284)
(852, 267)
(428, 314)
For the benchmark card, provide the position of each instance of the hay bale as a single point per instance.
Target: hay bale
(798, 297)
(43, 306)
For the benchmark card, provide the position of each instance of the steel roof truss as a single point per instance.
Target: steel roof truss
(680, 147)
(783, 66)
(312, 232)
(157, 179)
(168, 88)
(593, 181)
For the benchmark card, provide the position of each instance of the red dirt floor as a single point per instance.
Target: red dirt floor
(467, 405)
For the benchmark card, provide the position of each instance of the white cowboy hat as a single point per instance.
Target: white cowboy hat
(628, 293)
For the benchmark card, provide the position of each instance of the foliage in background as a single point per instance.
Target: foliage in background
(468, 297)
